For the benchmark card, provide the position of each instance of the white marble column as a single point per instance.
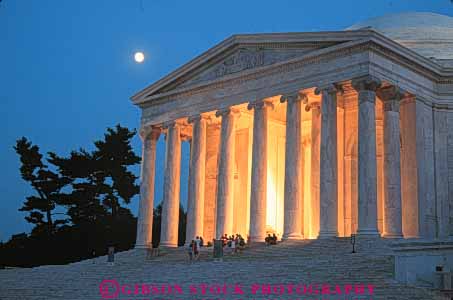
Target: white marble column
(328, 192)
(225, 178)
(258, 193)
(391, 97)
(367, 179)
(149, 135)
(441, 141)
(170, 206)
(195, 201)
(315, 162)
(293, 219)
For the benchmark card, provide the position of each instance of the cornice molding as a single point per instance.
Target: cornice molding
(265, 39)
(371, 41)
(287, 66)
(315, 57)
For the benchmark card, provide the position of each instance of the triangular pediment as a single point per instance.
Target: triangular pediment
(241, 53)
(244, 58)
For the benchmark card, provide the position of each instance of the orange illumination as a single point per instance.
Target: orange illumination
(275, 179)
(271, 212)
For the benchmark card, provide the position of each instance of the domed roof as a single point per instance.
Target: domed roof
(429, 34)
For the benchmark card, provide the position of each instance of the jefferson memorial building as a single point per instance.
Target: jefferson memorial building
(308, 134)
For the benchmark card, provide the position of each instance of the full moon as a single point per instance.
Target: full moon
(139, 57)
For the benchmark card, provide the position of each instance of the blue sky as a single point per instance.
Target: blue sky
(67, 69)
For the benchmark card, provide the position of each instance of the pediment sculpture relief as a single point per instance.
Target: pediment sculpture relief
(245, 59)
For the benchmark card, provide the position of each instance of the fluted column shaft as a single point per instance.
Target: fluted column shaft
(170, 206)
(195, 201)
(225, 178)
(259, 171)
(391, 97)
(328, 191)
(144, 238)
(315, 163)
(293, 167)
(367, 179)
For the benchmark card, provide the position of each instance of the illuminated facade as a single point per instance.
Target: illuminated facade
(308, 135)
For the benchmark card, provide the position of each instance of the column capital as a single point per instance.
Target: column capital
(227, 111)
(330, 88)
(198, 118)
(391, 97)
(294, 97)
(366, 83)
(172, 124)
(150, 132)
(391, 93)
(259, 104)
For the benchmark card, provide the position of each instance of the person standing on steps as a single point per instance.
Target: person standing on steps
(190, 251)
(197, 241)
(274, 239)
(198, 245)
(268, 239)
(233, 246)
(195, 249)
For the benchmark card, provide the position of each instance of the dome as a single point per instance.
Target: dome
(428, 34)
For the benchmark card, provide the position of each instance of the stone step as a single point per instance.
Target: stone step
(320, 261)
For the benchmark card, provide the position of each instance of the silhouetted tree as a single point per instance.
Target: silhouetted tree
(113, 157)
(46, 184)
(101, 178)
(101, 181)
(83, 201)
(86, 186)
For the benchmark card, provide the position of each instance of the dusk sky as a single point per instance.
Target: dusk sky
(67, 68)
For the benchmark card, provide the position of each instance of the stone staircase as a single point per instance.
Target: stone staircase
(328, 261)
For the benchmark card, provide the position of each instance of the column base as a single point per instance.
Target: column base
(327, 234)
(292, 236)
(168, 244)
(257, 239)
(368, 233)
(143, 246)
(393, 236)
